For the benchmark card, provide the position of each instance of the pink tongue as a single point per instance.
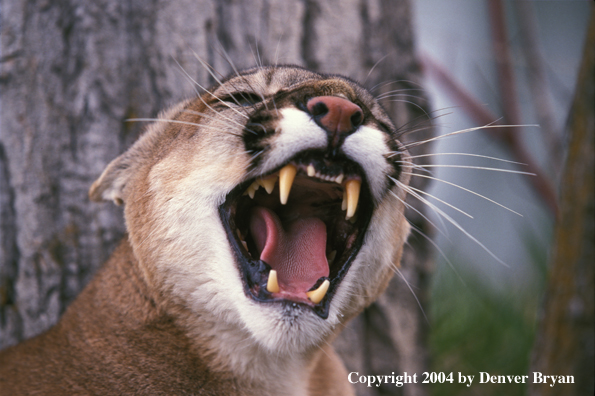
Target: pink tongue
(296, 251)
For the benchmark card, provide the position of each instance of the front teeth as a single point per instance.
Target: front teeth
(317, 295)
(287, 175)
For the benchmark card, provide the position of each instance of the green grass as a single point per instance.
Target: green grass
(474, 329)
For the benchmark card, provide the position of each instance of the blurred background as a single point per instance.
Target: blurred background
(72, 72)
(483, 311)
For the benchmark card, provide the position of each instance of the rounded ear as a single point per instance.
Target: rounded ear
(111, 183)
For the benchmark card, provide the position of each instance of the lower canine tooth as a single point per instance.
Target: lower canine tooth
(352, 188)
(344, 203)
(286, 176)
(317, 295)
(272, 284)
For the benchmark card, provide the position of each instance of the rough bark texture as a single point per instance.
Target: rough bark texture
(72, 72)
(565, 342)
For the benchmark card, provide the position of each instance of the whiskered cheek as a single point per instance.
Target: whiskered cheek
(378, 258)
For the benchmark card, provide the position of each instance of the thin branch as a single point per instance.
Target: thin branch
(538, 83)
(481, 115)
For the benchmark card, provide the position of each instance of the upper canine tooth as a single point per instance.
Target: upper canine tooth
(352, 188)
(269, 183)
(286, 176)
(311, 171)
(272, 284)
(317, 295)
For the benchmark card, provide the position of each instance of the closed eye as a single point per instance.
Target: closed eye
(244, 99)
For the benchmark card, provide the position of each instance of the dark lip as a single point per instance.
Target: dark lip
(254, 272)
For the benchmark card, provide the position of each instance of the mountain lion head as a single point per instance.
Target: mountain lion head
(268, 211)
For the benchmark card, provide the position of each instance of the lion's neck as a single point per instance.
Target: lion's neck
(223, 350)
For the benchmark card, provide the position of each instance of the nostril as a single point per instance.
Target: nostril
(318, 109)
(357, 118)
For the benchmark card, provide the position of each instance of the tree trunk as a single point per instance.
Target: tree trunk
(565, 342)
(71, 74)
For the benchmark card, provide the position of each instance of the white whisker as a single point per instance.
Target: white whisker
(489, 126)
(441, 201)
(469, 155)
(450, 219)
(479, 168)
(374, 67)
(413, 104)
(201, 114)
(464, 189)
(385, 83)
(422, 215)
(233, 66)
(402, 131)
(189, 78)
(433, 243)
(214, 118)
(256, 155)
(277, 51)
(398, 95)
(208, 68)
(176, 122)
(275, 106)
(400, 90)
(398, 271)
(257, 124)
(415, 166)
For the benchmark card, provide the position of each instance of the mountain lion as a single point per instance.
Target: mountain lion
(261, 217)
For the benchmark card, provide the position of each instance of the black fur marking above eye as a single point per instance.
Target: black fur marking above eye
(243, 98)
(259, 127)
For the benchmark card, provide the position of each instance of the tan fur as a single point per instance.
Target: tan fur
(168, 314)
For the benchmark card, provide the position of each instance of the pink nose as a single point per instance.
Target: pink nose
(338, 116)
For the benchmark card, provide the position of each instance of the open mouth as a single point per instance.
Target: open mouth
(296, 231)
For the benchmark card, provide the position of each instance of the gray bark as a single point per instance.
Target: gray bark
(72, 72)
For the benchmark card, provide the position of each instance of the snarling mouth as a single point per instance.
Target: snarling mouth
(296, 231)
